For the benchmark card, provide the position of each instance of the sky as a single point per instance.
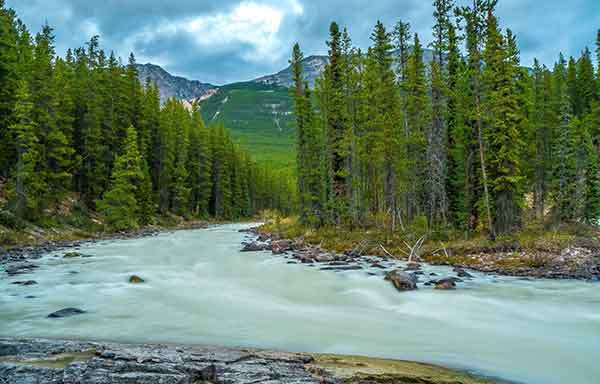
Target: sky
(223, 41)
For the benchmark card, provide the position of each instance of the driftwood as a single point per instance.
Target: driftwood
(415, 249)
(386, 252)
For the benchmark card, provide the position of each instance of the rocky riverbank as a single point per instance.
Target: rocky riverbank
(69, 362)
(20, 257)
(579, 261)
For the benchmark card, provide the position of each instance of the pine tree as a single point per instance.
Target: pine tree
(200, 160)
(598, 63)
(336, 127)
(476, 172)
(301, 128)
(119, 204)
(437, 134)
(26, 187)
(417, 117)
(144, 196)
(586, 86)
(591, 209)
(502, 128)
(456, 144)
(385, 101)
(179, 188)
(541, 138)
(9, 77)
(565, 164)
(220, 202)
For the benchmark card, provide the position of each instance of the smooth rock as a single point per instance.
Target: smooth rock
(135, 279)
(412, 266)
(254, 247)
(281, 246)
(462, 273)
(445, 284)
(20, 269)
(401, 280)
(66, 312)
(342, 268)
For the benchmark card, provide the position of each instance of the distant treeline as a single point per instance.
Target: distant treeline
(84, 126)
(471, 141)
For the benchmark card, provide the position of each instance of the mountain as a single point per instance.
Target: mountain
(312, 67)
(174, 86)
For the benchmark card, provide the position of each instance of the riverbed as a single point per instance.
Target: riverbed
(200, 289)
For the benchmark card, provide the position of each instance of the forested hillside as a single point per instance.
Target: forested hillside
(83, 129)
(468, 143)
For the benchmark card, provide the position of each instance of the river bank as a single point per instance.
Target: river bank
(578, 258)
(61, 361)
(62, 240)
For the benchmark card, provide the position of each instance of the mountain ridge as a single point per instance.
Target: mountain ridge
(174, 86)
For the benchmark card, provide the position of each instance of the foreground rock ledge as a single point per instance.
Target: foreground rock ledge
(70, 362)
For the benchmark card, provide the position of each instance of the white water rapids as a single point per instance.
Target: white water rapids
(201, 290)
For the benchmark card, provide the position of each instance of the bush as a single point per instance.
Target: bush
(9, 220)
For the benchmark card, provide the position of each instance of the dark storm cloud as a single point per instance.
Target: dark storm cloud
(230, 40)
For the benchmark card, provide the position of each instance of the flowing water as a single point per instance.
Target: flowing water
(201, 290)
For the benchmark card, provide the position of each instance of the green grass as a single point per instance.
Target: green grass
(532, 238)
(260, 119)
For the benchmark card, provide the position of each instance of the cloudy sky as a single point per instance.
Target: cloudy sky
(221, 41)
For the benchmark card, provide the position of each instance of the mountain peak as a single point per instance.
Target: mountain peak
(174, 86)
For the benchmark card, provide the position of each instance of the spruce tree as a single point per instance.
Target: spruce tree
(565, 164)
(9, 77)
(417, 117)
(119, 203)
(502, 128)
(26, 187)
(336, 127)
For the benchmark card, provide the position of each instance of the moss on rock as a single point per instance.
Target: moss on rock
(354, 370)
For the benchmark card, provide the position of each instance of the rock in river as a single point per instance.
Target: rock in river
(254, 247)
(20, 269)
(67, 312)
(135, 279)
(412, 266)
(70, 255)
(402, 281)
(28, 282)
(281, 246)
(462, 273)
(445, 284)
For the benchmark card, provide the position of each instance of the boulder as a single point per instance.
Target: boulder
(28, 282)
(135, 279)
(462, 273)
(401, 280)
(304, 258)
(254, 247)
(281, 246)
(324, 258)
(20, 269)
(412, 266)
(445, 284)
(263, 237)
(66, 312)
(72, 254)
(342, 268)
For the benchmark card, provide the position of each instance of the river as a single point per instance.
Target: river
(201, 290)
